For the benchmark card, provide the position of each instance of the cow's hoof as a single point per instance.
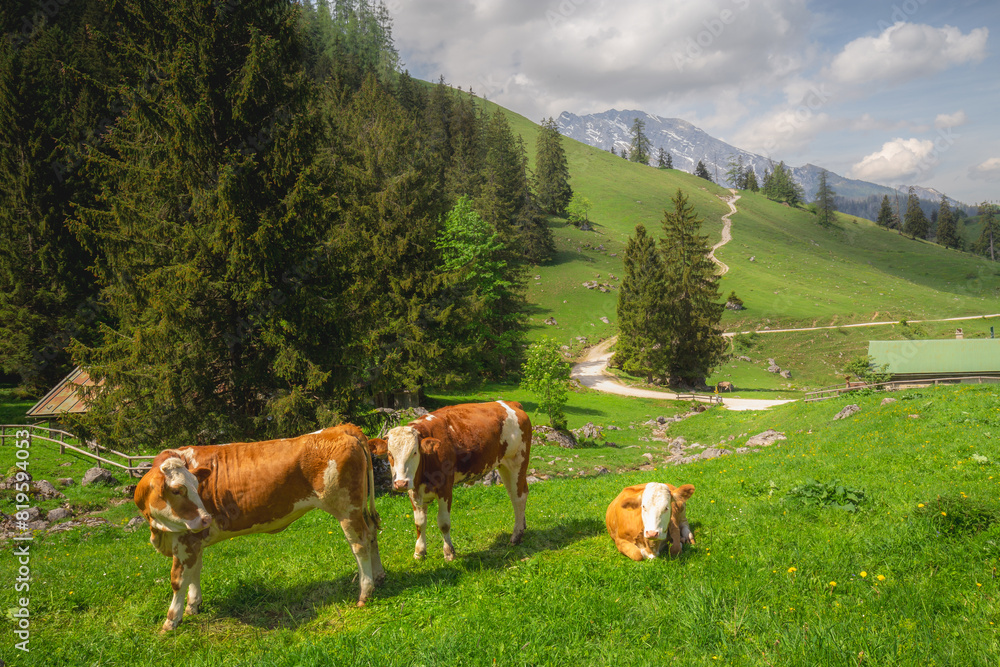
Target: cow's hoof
(516, 538)
(361, 603)
(419, 555)
(449, 556)
(167, 627)
(380, 577)
(189, 610)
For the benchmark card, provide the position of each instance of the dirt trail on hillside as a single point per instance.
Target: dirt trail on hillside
(727, 233)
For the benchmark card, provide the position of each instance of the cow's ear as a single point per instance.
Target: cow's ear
(684, 492)
(378, 446)
(429, 444)
(202, 473)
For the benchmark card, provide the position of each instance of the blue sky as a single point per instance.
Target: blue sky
(900, 92)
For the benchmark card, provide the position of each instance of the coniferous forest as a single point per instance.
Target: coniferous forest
(246, 221)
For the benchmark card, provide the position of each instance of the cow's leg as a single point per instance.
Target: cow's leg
(515, 477)
(186, 569)
(420, 521)
(194, 589)
(444, 524)
(359, 536)
(378, 572)
(629, 549)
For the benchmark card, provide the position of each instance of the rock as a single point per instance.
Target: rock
(601, 470)
(746, 359)
(531, 479)
(491, 478)
(33, 514)
(786, 374)
(648, 457)
(887, 401)
(766, 438)
(647, 468)
(913, 416)
(550, 436)
(588, 431)
(847, 412)
(66, 465)
(772, 362)
(90, 521)
(551, 321)
(66, 481)
(773, 369)
(129, 490)
(38, 525)
(135, 523)
(605, 320)
(713, 453)
(732, 305)
(58, 513)
(98, 476)
(45, 491)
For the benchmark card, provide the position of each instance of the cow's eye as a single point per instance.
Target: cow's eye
(180, 490)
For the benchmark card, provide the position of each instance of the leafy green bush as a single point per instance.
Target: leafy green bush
(864, 369)
(746, 342)
(819, 494)
(547, 376)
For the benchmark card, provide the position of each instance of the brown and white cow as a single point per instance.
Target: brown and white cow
(644, 518)
(194, 497)
(456, 443)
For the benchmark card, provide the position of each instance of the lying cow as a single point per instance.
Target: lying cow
(644, 517)
(460, 442)
(194, 497)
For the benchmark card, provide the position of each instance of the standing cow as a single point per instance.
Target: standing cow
(456, 443)
(194, 497)
(644, 517)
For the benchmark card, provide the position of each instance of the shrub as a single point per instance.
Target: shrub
(819, 494)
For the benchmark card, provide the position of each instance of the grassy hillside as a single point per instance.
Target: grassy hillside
(905, 575)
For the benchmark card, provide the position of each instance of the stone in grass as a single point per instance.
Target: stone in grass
(887, 401)
(766, 438)
(848, 411)
(58, 514)
(98, 476)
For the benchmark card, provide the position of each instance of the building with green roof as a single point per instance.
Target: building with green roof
(934, 359)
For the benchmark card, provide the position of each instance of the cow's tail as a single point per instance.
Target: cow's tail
(370, 513)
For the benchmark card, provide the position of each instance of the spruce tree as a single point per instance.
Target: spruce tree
(701, 171)
(779, 186)
(914, 221)
(642, 320)
(947, 231)
(751, 179)
(639, 149)
(736, 174)
(693, 336)
(661, 158)
(669, 162)
(985, 245)
(57, 102)
(825, 206)
(552, 188)
(886, 215)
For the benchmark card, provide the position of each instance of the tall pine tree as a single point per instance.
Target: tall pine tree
(915, 223)
(552, 188)
(947, 230)
(639, 149)
(825, 206)
(642, 319)
(986, 244)
(694, 337)
(886, 215)
(701, 171)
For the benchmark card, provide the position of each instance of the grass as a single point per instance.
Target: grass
(770, 581)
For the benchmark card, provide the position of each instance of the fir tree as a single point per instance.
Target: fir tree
(751, 179)
(702, 172)
(886, 215)
(662, 156)
(915, 223)
(639, 149)
(986, 243)
(947, 231)
(736, 174)
(642, 320)
(825, 206)
(669, 162)
(693, 336)
(779, 186)
(551, 170)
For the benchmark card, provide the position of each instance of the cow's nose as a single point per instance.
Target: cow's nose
(652, 533)
(399, 484)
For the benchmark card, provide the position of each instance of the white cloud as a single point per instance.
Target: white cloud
(905, 51)
(898, 160)
(987, 171)
(945, 120)
(784, 131)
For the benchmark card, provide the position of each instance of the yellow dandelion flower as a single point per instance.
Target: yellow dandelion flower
(791, 569)
(881, 577)
(920, 504)
(944, 514)
(863, 573)
(832, 584)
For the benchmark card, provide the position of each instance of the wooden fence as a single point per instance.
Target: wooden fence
(895, 385)
(134, 464)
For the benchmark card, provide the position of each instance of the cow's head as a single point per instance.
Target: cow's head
(403, 448)
(656, 506)
(167, 495)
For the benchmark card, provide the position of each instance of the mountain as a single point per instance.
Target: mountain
(689, 144)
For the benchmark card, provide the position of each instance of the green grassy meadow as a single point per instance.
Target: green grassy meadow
(907, 578)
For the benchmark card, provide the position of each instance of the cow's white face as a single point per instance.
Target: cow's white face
(656, 510)
(404, 456)
(179, 507)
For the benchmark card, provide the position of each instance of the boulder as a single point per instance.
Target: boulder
(45, 491)
(135, 523)
(58, 514)
(66, 481)
(887, 401)
(601, 470)
(785, 374)
(550, 436)
(588, 431)
(98, 476)
(713, 453)
(848, 411)
(746, 359)
(766, 438)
